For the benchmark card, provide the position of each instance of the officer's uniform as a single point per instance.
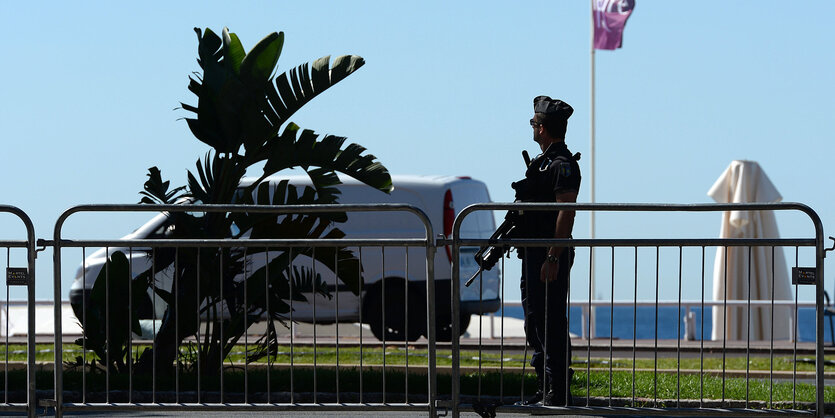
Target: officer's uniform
(549, 174)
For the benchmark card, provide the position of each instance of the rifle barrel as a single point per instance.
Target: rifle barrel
(469, 282)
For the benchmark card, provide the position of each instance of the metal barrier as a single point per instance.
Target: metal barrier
(606, 399)
(239, 373)
(188, 386)
(21, 276)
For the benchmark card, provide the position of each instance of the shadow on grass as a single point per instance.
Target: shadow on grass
(326, 385)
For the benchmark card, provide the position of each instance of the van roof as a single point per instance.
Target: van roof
(399, 180)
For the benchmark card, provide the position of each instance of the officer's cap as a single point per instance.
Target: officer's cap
(552, 108)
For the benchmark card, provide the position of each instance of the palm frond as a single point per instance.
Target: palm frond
(217, 178)
(156, 191)
(288, 151)
(325, 182)
(305, 280)
(300, 85)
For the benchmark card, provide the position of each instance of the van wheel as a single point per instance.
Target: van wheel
(443, 331)
(394, 328)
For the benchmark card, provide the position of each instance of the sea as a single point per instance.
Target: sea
(670, 323)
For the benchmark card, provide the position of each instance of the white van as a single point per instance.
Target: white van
(440, 197)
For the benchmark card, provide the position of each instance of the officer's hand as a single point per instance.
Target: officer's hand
(548, 272)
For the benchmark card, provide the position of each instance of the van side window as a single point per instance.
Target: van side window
(163, 231)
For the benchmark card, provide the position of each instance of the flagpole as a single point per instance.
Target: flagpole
(591, 180)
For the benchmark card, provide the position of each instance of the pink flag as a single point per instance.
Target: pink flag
(609, 20)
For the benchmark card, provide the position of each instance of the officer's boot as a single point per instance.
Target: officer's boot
(536, 398)
(555, 397)
(556, 393)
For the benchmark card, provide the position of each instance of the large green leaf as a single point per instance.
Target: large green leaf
(294, 89)
(260, 62)
(225, 105)
(208, 48)
(217, 93)
(233, 51)
(237, 105)
(286, 151)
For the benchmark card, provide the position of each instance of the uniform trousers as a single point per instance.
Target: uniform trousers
(547, 335)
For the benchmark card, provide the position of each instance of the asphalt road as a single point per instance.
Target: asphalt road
(366, 414)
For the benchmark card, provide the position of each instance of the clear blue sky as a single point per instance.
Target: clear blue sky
(89, 93)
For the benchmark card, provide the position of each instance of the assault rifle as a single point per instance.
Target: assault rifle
(487, 256)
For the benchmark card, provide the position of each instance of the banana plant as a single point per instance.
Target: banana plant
(243, 113)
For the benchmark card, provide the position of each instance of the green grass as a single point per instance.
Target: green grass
(488, 384)
(781, 363)
(417, 356)
(665, 385)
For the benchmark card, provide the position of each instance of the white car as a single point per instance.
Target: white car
(440, 197)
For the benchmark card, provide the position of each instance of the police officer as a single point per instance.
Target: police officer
(553, 176)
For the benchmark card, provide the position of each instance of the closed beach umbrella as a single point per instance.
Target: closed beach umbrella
(745, 182)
